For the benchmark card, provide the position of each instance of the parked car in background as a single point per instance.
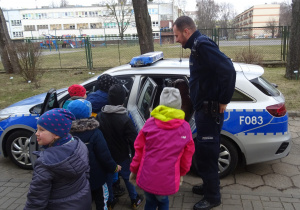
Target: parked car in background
(255, 126)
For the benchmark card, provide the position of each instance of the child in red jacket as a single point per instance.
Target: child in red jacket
(163, 151)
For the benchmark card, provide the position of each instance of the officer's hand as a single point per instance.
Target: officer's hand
(222, 107)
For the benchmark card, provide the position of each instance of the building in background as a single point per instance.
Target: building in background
(94, 21)
(14, 23)
(265, 15)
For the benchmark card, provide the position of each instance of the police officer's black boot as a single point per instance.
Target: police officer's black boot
(205, 205)
(198, 189)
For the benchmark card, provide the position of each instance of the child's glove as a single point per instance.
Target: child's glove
(132, 179)
(181, 180)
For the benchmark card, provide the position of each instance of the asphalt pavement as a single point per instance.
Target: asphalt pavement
(265, 186)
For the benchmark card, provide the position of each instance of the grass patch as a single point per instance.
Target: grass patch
(289, 88)
(16, 89)
(114, 55)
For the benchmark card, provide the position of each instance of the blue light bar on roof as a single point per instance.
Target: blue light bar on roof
(146, 59)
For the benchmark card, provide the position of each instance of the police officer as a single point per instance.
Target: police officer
(212, 82)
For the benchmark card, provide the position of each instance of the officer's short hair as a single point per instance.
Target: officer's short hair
(184, 22)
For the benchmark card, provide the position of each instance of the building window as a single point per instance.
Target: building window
(42, 27)
(55, 26)
(18, 34)
(96, 25)
(82, 26)
(16, 22)
(29, 28)
(155, 24)
(110, 25)
(69, 26)
(155, 35)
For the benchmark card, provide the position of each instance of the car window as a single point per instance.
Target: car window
(239, 96)
(146, 98)
(264, 86)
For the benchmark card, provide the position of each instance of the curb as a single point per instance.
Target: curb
(294, 113)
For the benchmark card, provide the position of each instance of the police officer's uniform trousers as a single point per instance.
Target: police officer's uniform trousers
(207, 149)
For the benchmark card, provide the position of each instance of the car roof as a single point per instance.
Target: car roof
(176, 66)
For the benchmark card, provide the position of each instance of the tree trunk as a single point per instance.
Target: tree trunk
(8, 46)
(143, 25)
(293, 60)
(4, 56)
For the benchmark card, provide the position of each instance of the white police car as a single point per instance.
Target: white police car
(255, 127)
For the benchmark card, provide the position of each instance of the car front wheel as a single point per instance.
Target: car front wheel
(17, 148)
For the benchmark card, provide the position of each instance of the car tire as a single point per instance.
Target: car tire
(228, 158)
(17, 148)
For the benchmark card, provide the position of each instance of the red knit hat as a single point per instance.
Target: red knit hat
(76, 90)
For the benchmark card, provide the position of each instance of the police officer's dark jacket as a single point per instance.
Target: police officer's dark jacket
(212, 75)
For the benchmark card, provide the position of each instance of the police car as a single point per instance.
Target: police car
(255, 127)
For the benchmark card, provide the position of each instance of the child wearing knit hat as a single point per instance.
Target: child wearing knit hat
(76, 92)
(60, 173)
(99, 98)
(163, 151)
(119, 133)
(101, 162)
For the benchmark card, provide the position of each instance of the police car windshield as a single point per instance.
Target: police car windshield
(264, 86)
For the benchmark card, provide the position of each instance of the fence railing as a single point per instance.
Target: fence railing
(110, 51)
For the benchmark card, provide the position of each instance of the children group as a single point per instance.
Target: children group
(91, 141)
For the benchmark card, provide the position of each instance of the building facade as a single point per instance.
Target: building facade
(94, 21)
(250, 21)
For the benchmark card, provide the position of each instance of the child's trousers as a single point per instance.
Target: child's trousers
(156, 201)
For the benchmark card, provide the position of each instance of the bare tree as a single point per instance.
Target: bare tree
(29, 58)
(272, 27)
(143, 25)
(285, 14)
(9, 56)
(207, 14)
(293, 60)
(227, 15)
(121, 11)
(64, 3)
(52, 4)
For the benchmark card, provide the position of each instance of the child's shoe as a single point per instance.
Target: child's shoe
(138, 202)
(111, 205)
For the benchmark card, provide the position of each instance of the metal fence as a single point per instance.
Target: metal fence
(109, 51)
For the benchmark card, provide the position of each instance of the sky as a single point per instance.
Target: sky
(239, 6)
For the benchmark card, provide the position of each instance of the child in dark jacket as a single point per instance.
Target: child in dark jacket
(99, 98)
(163, 151)
(120, 133)
(61, 171)
(101, 162)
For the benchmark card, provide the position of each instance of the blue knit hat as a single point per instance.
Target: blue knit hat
(80, 108)
(57, 121)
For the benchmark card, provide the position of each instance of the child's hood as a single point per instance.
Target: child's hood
(165, 113)
(119, 109)
(168, 118)
(68, 160)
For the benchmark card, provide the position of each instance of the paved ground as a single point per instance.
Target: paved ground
(267, 186)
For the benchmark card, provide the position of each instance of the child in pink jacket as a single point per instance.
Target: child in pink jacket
(163, 151)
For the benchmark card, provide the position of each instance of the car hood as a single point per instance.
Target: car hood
(37, 99)
(22, 107)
